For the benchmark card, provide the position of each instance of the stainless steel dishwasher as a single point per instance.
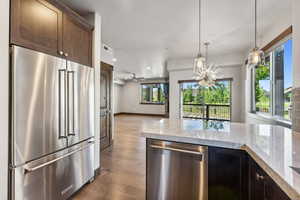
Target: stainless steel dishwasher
(176, 171)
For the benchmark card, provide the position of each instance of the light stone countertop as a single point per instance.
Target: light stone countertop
(274, 148)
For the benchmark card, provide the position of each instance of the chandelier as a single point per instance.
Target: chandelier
(204, 73)
(256, 56)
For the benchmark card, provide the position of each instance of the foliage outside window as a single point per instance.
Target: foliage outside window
(153, 93)
(207, 102)
(263, 87)
(273, 82)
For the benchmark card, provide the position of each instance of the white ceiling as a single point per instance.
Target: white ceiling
(145, 33)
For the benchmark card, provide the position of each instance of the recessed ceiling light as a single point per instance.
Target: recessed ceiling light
(114, 60)
(148, 68)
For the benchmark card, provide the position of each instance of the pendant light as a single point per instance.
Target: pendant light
(199, 62)
(256, 56)
(210, 73)
(204, 73)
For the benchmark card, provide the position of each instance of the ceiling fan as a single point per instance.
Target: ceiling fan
(125, 75)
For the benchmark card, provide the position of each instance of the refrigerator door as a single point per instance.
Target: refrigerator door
(39, 103)
(54, 177)
(80, 98)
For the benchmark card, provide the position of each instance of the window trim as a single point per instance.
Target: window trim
(141, 93)
(270, 48)
(280, 37)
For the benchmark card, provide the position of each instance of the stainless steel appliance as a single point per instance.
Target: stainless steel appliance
(176, 171)
(52, 140)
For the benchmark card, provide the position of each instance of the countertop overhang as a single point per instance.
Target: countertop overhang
(274, 148)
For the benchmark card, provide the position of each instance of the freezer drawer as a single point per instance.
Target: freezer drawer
(176, 171)
(56, 177)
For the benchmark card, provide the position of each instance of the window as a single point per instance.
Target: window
(273, 82)
(153, 93)
(206, 102)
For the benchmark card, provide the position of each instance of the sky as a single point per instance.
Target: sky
(288, 68)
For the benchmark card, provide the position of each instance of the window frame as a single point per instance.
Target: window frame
(181, 82)
(151, 94)
(267, 51)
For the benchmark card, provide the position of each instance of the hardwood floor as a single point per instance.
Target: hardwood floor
(123, 166)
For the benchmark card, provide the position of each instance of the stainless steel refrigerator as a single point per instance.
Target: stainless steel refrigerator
(52, 126)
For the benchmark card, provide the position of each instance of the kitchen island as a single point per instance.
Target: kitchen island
(266, 158)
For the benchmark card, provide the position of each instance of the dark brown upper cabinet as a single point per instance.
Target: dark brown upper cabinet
(36, 24)
(51, 27)
(77, 41)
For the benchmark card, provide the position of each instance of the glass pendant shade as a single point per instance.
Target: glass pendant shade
(256, 57)
(199, 67)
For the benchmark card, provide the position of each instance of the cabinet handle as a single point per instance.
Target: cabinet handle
(66, 54)
(259, 177)
(61, 53)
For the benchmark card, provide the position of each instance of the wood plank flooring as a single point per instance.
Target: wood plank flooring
(123, 166)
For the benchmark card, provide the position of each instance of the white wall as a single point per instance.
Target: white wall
(4, 74)
(107, 55)
(234, 72)
(130, 96)
(117, 98)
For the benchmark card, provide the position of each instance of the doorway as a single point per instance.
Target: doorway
(105, 106)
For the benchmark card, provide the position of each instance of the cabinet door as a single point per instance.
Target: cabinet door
(273, 192)
(36, 24)
(257, 182)
(227, 174)
(77, 41)
(262, 187)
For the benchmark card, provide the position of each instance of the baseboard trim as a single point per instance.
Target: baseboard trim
(97, 171)
(140, 114)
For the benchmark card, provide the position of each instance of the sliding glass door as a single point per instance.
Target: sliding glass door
(210, 103)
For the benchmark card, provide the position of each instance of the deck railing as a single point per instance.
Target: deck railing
(207, 111)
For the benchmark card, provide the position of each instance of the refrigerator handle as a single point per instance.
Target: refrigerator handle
(71, 103)
(62, 103)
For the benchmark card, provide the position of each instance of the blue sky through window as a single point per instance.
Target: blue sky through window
(288, 68)
(288, 63)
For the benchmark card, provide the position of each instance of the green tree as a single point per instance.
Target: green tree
(262, 72)
(188, 95)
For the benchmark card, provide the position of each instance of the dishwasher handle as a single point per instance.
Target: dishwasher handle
(177, 150)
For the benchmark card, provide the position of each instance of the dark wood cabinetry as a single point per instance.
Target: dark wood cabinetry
(228, 174)
(262, 187)
(77, 41)
(36, 24)
(51, 27)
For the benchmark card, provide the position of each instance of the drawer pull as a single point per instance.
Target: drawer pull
(32, 169)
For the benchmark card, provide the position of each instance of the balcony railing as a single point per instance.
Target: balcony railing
(207, 111)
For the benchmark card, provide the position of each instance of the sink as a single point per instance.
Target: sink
(296, 169)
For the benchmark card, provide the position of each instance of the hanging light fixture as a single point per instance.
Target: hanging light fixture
(199, 61)
(204, 73)
(256, 56)
(209, 75)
